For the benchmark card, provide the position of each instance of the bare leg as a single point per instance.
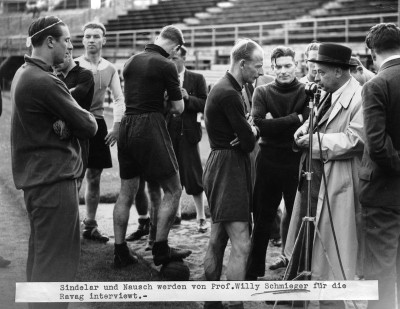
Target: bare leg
(141, 200)
(169, 205)
(122, 207)
(155, 202)
(240, 240)
(215, 252)
(198, 202)
(92, 194)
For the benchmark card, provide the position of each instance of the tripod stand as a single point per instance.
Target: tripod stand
(299, 267)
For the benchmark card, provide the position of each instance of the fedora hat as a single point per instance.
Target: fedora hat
(334, 54)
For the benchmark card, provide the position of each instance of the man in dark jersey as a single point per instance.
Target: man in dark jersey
(80, 83)
(227, 175)
(278, 110)
(144, 146)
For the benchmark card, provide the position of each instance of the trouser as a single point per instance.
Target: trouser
(54, 243)
(272, 182)
(381, 228)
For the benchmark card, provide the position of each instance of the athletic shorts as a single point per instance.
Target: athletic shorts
(99, 152)
(145, 148)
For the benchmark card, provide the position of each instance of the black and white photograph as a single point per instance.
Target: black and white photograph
(181, 154)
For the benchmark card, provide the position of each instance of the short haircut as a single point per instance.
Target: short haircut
(38, 35)
(282, 51)
(182, 51)
(311, 46)
(173, 34)
(94, 25)
(243, 49)
(383, 37)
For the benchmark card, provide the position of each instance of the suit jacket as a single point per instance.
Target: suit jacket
(187, 123)
(380, 170)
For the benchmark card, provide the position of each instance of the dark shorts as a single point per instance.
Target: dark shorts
(227, 185)
(145, 148)
(189, 161)
(99, 152)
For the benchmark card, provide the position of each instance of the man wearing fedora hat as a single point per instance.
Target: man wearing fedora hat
(339, 122)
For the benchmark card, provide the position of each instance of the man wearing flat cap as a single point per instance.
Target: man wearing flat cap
(339, 123)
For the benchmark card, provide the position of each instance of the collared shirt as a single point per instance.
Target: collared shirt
(148, 75)
(390, 58)
(225, 118)
(182, 76)
(38, 155)
(337, 93)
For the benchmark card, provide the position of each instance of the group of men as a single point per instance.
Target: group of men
(58, 133)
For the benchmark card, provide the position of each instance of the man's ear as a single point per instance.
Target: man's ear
(50, 41)
(104, 41)
(241, 63)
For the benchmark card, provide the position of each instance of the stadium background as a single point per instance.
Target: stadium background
(210, 27)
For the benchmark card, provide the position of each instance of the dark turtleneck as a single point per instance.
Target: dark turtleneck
(285, 102)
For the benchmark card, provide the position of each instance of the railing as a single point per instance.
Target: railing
(340, 29)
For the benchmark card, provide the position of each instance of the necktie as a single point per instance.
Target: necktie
(324, 108)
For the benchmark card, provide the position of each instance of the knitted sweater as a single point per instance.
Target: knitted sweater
(284, 102)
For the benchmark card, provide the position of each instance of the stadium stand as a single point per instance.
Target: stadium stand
(156, 16)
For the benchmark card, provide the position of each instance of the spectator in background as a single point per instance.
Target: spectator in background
(105, 76)
(279, 108)
(310, 53)
(359, 72)
(80, 83)
(48, 177)
(144, 146)
(380, 168)
(185, 132)
(227, 179)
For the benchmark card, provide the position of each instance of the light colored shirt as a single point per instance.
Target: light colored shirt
(182, 77)
(390, 58)
(105, 75)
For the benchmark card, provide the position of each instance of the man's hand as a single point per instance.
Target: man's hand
(300, 132)
(112, 136)
(300, 117)
(185, 95)
(269, 116)
(303, 141)
(250, 119)
(61, 129)
(235, 142)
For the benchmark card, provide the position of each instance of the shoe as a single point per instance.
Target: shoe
(4, 262)
(91, 232)
(280, 262)
(171, 254)
(177, 221)
(202, 226)
(143, 230)
(123, 256)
